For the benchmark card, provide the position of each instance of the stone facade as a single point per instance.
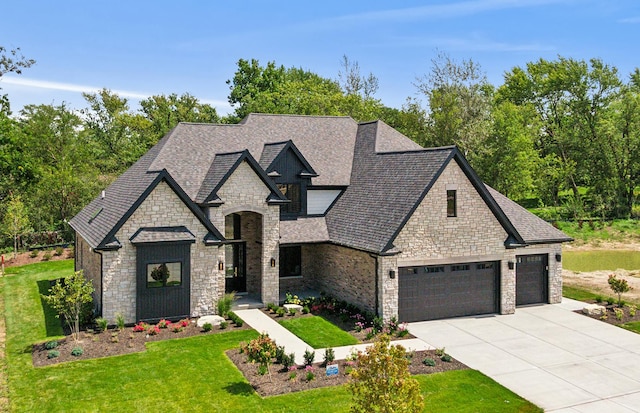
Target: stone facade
(90, 262)
(161, 208)
(244, 191)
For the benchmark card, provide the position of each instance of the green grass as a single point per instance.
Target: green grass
(632, 326)
(189, 374)
(579, 294)
(585, 261)
(318, 332)
(598, 231)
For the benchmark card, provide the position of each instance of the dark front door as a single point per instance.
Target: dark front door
(235, 267)
(531, 279)
(451, 290)
(163, 281)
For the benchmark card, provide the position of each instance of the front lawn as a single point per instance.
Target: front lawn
(318, 332)
(190, 374)
(632, 326)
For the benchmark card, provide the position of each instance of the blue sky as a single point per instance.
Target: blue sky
(142, 48)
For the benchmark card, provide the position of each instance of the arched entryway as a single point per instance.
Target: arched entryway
(243, 252)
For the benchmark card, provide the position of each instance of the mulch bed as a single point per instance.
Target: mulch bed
(348, 326)
(113, 342)
(611, 317)
(281, 381)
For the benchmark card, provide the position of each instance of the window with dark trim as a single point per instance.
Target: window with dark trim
(463, 267)
(165, 274)
(431, 270)
(451, 203)
(290, 261)
(292, 192)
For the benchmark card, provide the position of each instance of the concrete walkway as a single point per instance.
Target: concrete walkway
(561, 361)
(262, 323)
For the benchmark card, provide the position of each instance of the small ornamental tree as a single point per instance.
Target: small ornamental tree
(618, 286)
(16, 220)
(382, 383)
(69, 297)
(261, 350)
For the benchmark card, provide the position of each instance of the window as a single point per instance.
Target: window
(451, 203)
(166, 274)
(292, 192)
(463, 267)
(431, 270)
(290, 261)
(484, 266)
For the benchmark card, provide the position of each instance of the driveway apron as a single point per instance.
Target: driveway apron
(557, 359)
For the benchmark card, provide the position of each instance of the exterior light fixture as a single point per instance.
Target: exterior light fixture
(220, 265)
(273, 262)
(392, 274)
(558, 257)
(511, 265)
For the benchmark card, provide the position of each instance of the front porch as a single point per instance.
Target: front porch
(248, 301)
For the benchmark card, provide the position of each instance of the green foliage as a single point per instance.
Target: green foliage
(429, 362)
(58, 251)
(102, 323)
(618, 286)
(289, 361)
(77, 351)
(382, 382)
(46, 256)
(206, 327)
(235, 318)
(120, 321)
(261, 350)
(16, 221)
(68, 298)
(446, 358)
(49, 345)
(225, 303)
(224, 325)
(51, 354)
(329, 356)
(281, 311)
(318, 332)
(309, 356)
(34, 253)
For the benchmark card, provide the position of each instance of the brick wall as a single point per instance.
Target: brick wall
(161, 208)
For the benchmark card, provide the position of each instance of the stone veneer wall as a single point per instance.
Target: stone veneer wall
(430, 237)
(162, 208)
(345, 273)
(251, 232)
(89, 261)
(245, 191)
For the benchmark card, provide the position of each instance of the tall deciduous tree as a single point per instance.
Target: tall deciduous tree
(11, 61)
(16, 220)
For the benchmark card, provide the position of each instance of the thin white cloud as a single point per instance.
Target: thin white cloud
(70, 87)
(448, 10)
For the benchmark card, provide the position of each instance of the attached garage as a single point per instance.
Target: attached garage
(444, 291)
(532, 279)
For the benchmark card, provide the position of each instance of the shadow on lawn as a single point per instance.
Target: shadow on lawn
(52, 322)
(239, 388)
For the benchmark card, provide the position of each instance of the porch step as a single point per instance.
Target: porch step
(246, 303)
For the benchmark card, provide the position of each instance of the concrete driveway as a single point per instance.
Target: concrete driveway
(557, 359)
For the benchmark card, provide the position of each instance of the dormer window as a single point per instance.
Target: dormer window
(292, 192)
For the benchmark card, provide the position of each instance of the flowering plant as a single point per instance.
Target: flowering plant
(153, 330)
(164, 323)
(184, 323)
(140, 327)
(310, 372)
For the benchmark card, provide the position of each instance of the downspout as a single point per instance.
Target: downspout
(377, 284)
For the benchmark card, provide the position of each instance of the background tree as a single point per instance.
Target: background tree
(11, 61)
(381, 382)
(353, 83)
(16, 220)
(68, 298)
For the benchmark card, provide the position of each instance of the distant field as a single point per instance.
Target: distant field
(586, 261)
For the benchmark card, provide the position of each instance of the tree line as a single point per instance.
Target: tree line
(557, 133)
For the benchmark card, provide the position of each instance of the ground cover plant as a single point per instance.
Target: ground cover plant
(202, 378)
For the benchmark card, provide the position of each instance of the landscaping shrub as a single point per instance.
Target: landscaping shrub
(224, 325)
(632, 310)
(309, 356)
(398, 392)
(289, 361)
(446, 358)
(206, 327)
(49, 345)
(261, 350)
(292, 299)
(329, 356)
(281, 311)
(440, 352)
(619, 313)
(77, 351)
(51, 354)
(58, 252)
(120, 321)
(102, 323)
(429, 362)
(235, 318)
(292, 311)
(153, 330)
(309, 373)
(225, 303)
(280, 354)
(33, 253)
(618, 286)
(305, 309)
(140, 327)
(46, 256)
(272, 307)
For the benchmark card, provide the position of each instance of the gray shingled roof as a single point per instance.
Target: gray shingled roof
(220, 166)
(98, 218)
(384, 190)
(162, 234)
(533, 229)
(327, 143)
(304, 230)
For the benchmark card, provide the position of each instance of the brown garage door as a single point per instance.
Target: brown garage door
(531, 279)
(444, 291)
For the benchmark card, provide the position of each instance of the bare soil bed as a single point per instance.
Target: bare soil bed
(25, 258)
(282, 381)
(113, 342)
(611, 316)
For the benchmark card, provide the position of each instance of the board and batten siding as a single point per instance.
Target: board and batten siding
(319, 200)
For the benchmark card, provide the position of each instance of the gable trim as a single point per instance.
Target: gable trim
(110, 242)
(309, 172)
(513, 240)
(274, 197)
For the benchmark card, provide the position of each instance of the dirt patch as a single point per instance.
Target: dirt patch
(25, 258)
(631, 245)
(282, 381)
(597, 281)
(114, 342)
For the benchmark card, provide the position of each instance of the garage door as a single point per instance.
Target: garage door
(531, 279)
(444, 291)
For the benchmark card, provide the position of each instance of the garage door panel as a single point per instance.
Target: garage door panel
(531, 279)
(429, 293)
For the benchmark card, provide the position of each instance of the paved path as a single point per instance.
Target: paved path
(561, 361)
(283, 337)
